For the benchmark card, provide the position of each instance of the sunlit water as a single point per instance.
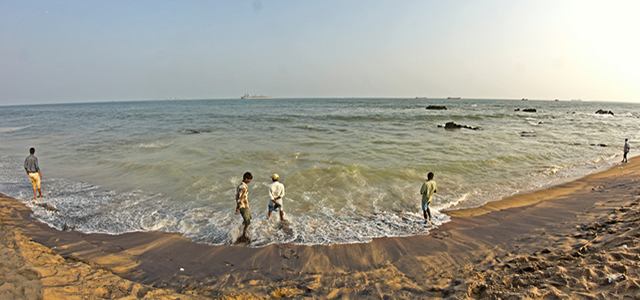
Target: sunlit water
(352, 168)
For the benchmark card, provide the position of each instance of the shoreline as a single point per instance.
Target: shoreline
(480, 253)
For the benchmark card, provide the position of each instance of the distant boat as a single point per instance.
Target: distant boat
(421, 97)
(525, 99)
(453, 98)
(247, 96)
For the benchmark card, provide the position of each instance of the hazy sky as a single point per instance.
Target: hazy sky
(82, 51)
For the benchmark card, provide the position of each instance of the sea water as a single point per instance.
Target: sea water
(352, 168)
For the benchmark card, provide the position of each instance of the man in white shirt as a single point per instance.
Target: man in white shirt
(276, 192)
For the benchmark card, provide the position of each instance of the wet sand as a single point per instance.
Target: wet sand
(578, 240)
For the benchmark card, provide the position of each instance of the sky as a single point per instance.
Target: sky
(95, 51)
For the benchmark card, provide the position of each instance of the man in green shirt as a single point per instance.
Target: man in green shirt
(427, 190)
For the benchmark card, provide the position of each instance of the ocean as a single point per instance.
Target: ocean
(352, 168)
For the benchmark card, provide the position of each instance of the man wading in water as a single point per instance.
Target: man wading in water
(427, 190)
(242, 203)
(276, 192)
(33, 170)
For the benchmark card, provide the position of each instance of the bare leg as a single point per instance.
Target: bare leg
(244, 234)
(281, 215)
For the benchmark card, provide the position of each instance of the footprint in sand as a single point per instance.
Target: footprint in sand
(242, 241)
(289, 254)
(441, 235)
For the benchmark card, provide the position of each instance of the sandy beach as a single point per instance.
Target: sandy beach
(578, 240)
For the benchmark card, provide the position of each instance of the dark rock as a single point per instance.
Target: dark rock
(604, 112)
(517, 109)
(529, 110)
(527, 134)
(190, 131)
(599, 145)
(452, 125)
(437, 107)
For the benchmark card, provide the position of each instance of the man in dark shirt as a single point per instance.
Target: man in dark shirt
(33, 170)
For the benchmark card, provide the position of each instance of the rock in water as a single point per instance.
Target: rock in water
(452, 125)
(527, 134)
(437, 107)
(604, 112)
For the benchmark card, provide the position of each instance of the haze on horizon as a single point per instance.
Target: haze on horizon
(84, 51)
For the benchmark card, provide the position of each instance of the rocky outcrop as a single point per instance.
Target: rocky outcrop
(527, 134)
(529, 110)
(452, 125)
(604, 112)
(437, 107)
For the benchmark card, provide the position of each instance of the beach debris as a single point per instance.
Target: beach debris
(598, 145)
(437, 107)
(452, 125)
(615, 277)
(181, 269)
(604, 112)
(584, 248)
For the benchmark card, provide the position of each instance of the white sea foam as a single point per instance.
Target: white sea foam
(12, 129)
(153, 145)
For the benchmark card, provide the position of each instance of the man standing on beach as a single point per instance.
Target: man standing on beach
(427, 190)
(33, 170)
(276, 192)
(625, 150)
(242, 202)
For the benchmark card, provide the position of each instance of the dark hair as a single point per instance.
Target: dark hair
(247, 176)
(430, 175)
(32, 150)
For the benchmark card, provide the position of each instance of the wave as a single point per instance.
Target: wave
(194, 131)
(309, 127)
(12, 129)
(153, 145)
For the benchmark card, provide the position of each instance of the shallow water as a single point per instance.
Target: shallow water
(352, 168)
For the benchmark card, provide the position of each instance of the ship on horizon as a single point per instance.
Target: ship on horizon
(247, 96)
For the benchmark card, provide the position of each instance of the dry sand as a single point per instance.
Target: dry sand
(578, 240)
